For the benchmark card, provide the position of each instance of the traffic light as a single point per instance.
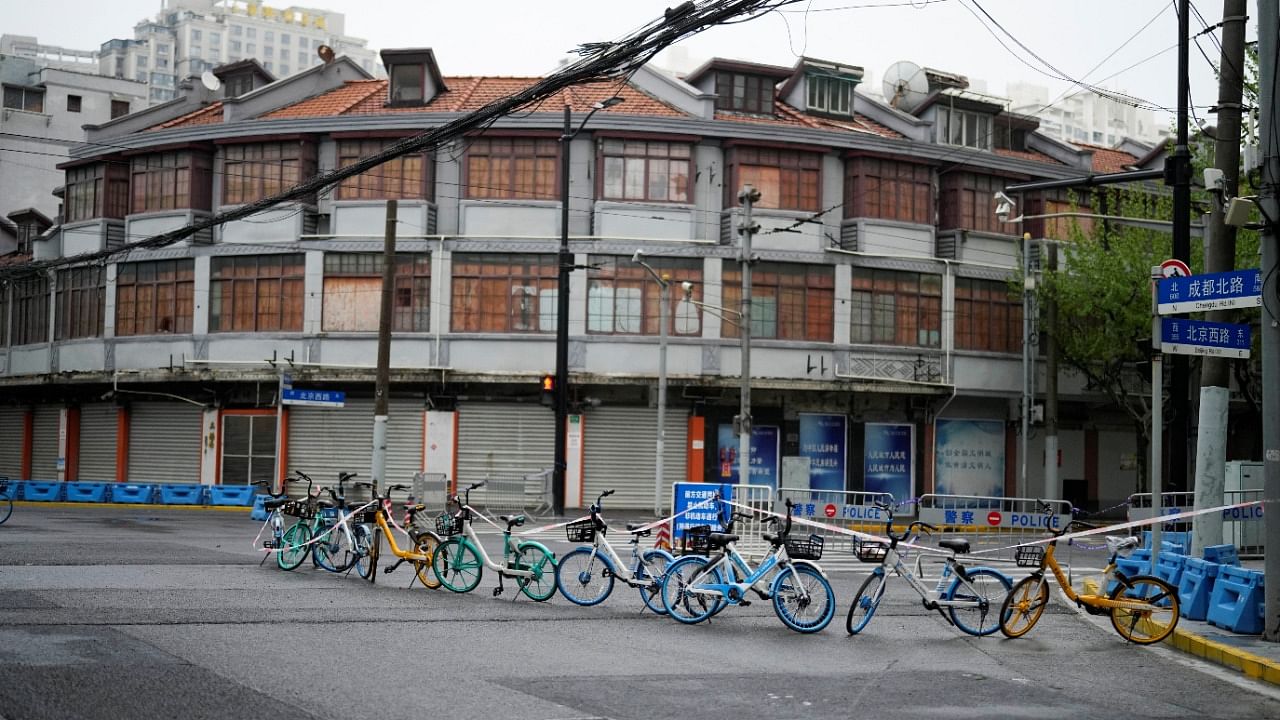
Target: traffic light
(548, 390)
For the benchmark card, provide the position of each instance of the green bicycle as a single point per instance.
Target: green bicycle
(460, 561)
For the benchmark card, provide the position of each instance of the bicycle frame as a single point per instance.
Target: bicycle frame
(391, 538)
(471, 537)
(732, 559)
(893, 561)
(1097, 601)
(617, 566)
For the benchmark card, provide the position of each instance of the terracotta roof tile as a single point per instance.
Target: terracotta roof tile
(1109, 160)
(334, 102)
(208, 115)
(1032, 155)
(791, 117)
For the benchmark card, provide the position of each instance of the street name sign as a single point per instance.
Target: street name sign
(314, 398)
(1211, 291)
(1197, 337)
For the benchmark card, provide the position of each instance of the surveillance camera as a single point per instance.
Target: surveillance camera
(687, 287)
(1004, 206)
(636, 257)
(1214, 180)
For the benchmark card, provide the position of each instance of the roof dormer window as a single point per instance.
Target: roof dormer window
(740, 92)
(413, 78)
(965, 128)
(830, 95)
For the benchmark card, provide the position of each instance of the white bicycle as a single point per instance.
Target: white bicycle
(586, 574)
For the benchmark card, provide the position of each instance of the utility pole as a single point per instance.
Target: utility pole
(1178, 175)
(748, 196)
(1269, 107)
(1052, 483)
(564, 261)
(1219, 256)
(664, 315)
(383, 381)
(1028, 362)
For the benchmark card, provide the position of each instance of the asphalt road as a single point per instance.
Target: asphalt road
(129, 613)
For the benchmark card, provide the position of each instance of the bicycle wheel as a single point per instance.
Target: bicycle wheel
(334, 552)
(6, 503)
(1154, 621)
(682, 604)
(1023, 606)
(652, 567)
(803, 599)
(584, 576)
(426, 544)
(457, 565)
(984, 618)
(533, 557)
(368, 547)
(865, 602)
(295, 548)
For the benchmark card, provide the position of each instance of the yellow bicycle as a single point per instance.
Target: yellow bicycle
(1143, 609)
(368, 540)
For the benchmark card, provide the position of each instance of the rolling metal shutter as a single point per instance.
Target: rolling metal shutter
(98, 442)
(326, 441)
(619, 454)
(503, 439)
(44, 442)
(164, 442)
(11, 442)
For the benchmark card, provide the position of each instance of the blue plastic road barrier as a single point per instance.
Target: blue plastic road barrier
(1138, 563)
(94, 492)
(1236, 603)
(1169, 567)
(14, 491)
(1222, 554)
(130, 493)
(231, 495)
(1170, 541)
(41, 491)
(186, 494)
(1196, 588)
(259, 511)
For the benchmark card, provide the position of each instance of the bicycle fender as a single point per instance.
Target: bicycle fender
(659, 551)
(808, 563)
(989, 569)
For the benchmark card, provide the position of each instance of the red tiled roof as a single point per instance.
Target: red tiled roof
(1109, 160)
(1032, 155)
(208, 115)
(791, 117)
(14, 258)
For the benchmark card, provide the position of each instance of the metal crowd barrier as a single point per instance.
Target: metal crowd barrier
(431, 489)
(1171, 503)
(1242, 527)
(845, 508)
(994, 521)
(512, 492)
(751, 541)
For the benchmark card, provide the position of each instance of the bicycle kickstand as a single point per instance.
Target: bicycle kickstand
(499, 590)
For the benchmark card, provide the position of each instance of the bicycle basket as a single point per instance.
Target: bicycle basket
(809, 548)
(298, 509)
(447, 524)
(870, 551)
(369, 516)
(581, 531)
(696, 540)
(1029, 556)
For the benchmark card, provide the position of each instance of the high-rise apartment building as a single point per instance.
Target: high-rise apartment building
(1085, 117)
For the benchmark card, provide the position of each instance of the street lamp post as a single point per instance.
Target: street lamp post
(664, 317)
(565, 263)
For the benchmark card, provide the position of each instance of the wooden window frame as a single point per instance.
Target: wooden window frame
(156, 297)
(257, 293)
(895, 307)
(494, 168)
(411, 292)
(80, 303)
(744, 93)
(175, 180)
(798, 177)
(968, 203)
(802, 299)
(31, 310)
(888, 190)
(988, 317)
(609, 315)
(650, 158)
(253, 171)
(395, 179)
(96, 190)
(490, 293)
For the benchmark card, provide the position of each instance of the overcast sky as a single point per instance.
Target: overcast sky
(1093, 40)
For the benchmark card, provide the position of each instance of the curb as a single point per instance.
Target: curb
(1254, 666)
(132, 506)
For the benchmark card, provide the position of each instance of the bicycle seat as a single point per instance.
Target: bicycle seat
(635, 528)
(324, 505)
(273, 504)
(721, 539)
(510, 520)
(959, 546)
(771, 538)
(417, 508)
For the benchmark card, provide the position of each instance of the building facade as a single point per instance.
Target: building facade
(886, 344)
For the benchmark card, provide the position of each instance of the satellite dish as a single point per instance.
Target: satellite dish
(905, 85)
(326, 53)
(210, 81)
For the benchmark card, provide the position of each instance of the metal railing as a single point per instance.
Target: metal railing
(1171, 503)
(512, 492)
(1001, 521)
(846, 508)
(1244, 527)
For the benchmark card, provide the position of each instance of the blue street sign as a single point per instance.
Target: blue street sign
(1197, 337)
(314, 398)
(1211, 291)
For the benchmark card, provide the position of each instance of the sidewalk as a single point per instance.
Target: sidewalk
(1249, 654)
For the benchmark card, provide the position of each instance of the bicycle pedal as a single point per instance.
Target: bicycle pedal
(744, 603)
(497, 591)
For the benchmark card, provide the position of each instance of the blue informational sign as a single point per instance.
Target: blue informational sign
(690, 494)
(823, 439)
(764, 455)
(1198, 337)
(1210, 291)
(969, 458)
(313, 398)
(888, 460)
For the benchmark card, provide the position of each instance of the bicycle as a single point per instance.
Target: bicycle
(1143, 609)
(290, 545)
(460, 561)
(968, 599)
(801, 594)
(585, 575)
(368, 540)
(6, 500)
(336, 552)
